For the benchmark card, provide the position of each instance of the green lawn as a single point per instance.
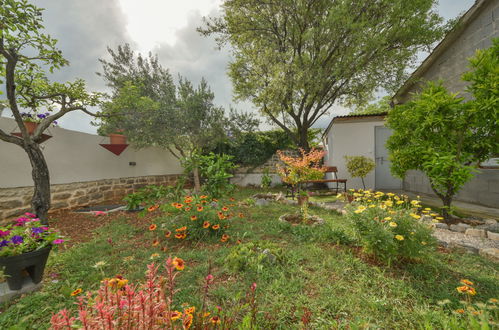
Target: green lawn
(341, 287)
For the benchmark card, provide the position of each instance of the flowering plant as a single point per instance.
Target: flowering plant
(35, 117)
(26, 234)
(301, 168)
(152, 305)
(387, 225)
(196, 218)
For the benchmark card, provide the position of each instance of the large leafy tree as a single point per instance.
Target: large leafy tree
(437, 132)
(294, 59)
(153, 111)
(25, 55)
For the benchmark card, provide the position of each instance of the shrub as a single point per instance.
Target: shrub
(359, 167)
(152, 194)
(196, 218)
(302, 168)
(387, 226)
(118, 305)
(266, 179)
(254, 256)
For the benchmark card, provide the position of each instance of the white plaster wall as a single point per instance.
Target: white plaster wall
(351, 138)
(77, 157)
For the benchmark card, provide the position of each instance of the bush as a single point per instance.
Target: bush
(387, 226)
(151, 195)
(254, 256)
(359, 167)
(196, 218)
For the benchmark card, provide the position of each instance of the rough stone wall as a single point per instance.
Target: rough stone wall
(484, 187)
(16, 201)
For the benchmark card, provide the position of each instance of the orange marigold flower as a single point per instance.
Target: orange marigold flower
(215, 200)
(206, 314)
(190, 310)
(76, 292)
(179, 235)
(460, 311)
(153, 227)
(225, 208)
(466, 289)
(215, 320)
(203, 196)
(232, 199)
(153, 208)
(168, 234)
(187, 321)
(221, 216)
(179, 206)
(184, 235)
(224, 238)
(241, 215)
(178, 263)
(155, 242)
(163, 248)
(193, 217)
(184, 228)
(206, 224)
(466, 282)
(200, 208)
(175, 315)
(187, 209)
(174, 204)
(216, 227)
(239, 241)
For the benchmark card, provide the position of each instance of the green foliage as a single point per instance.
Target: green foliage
(388, 228)
(380, 107)
(448, 137)
(359, 166)
(254, 256)
(266, 179)
(152, 195)
(295, 69)
(215, 170)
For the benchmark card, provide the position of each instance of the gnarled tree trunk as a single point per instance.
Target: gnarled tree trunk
(41, 179)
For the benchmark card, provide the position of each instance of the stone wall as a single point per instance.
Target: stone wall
(252, 176)
(16, 201)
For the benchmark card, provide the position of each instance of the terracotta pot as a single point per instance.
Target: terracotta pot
(350, 198)
(302, 200)
(30, 126)
(117, 139)
(32, 262)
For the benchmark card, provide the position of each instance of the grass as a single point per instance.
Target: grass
(341, 287)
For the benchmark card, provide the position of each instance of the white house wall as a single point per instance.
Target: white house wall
(349, 138)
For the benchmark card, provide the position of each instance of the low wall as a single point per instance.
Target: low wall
(483, 189)
(16, 201)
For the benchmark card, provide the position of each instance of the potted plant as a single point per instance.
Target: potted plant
(117, 138)
(24, 247)
(31, 120)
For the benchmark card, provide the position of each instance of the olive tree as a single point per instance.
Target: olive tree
(26, 54)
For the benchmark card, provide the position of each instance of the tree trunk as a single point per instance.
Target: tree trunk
(41, 180)
(303, 138)
(197, 183)
(447, 200)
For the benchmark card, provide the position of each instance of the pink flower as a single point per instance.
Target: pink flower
(4, 233)
(253, 286)
(58, 241)
(31, 215)
(97, 213)
(209, 278)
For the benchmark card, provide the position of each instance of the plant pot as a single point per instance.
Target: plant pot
(32, 262)
(30, 126)
(302, 200)
(350, 198)
(117, 139)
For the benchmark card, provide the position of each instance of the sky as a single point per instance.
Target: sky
(165, 27)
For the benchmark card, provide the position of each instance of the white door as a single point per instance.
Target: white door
(383, 177)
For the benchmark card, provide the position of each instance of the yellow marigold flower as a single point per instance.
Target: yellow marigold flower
(390, 194)
(414, 215)
(466, 282)
(389, 203)
(372, 205)
(178, 263)
(439, 218)
(393, 224)
(427, 209)
(388, 218)
(382, 206)
(76, 292)
(175, 315)
(399, 237)
(154, 255)
(400, 202)
(423, 243)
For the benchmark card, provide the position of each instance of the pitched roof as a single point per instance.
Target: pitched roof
(446, 42)
(354, 118)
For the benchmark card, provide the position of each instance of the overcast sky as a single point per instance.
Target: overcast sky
(85, 28)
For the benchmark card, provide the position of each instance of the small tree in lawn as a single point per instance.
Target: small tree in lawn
(25, 56)
(359, 167)
(443, 136)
